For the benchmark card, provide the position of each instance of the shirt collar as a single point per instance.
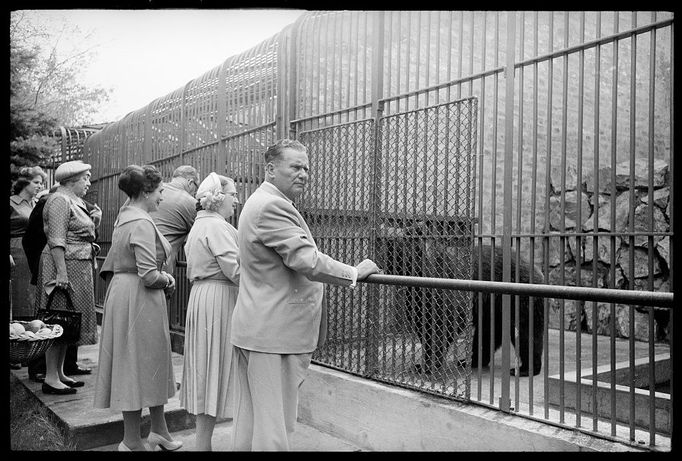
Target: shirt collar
(271, 188)
(17, 199)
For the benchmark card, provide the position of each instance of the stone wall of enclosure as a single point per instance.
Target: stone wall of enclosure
(611, 265)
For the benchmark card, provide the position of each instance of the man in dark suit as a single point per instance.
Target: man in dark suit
(33, 242)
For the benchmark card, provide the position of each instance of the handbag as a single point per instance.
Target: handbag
(69, 319)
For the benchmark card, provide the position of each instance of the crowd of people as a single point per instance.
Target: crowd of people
(256, 311)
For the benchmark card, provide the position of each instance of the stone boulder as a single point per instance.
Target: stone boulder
(641, 176)
(570, 215)
(622, 207)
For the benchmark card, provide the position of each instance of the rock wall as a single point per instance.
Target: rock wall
(615, 260)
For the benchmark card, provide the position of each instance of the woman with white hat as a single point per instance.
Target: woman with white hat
(213, 268)
(67, 263)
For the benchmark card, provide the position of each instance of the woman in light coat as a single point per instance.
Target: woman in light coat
(135, 367)
(213, 268)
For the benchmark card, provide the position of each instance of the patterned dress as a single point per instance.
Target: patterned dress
(213, 268)
(68, 225)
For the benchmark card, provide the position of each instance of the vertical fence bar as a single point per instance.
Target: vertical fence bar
(533, 203)
(595, 213)
(562, 238)
(508, 203)
(493, 212)
(377, 110)
(614, 140)
(672, 208)
(481, 123)
(548, 188)
(631, 229)
(650, 238)
(579, 220)
(519, 201)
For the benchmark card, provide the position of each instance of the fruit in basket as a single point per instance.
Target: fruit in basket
(44, 332)
(16, 328)
(35, 325)
(28, 334)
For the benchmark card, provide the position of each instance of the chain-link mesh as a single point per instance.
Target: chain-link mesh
(410, 208)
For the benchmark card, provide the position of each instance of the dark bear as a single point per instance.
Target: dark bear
(437, 317)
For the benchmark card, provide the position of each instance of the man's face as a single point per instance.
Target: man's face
(289, 173)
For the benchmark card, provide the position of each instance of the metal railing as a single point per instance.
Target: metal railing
(572, 186)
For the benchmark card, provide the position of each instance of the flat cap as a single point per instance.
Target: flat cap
(70, 168)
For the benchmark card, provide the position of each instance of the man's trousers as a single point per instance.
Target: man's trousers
(266, 399)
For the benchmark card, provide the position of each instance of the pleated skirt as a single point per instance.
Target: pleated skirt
(208, 376)
(135, 368)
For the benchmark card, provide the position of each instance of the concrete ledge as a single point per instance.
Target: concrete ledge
(380, 417)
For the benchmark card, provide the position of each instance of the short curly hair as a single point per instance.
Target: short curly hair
(26, 175)
(135, 180)
(213, 202)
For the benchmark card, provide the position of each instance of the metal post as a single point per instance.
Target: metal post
(147, 149)
(290, 69)
(371, 357)
(504, 402)
(221, 125)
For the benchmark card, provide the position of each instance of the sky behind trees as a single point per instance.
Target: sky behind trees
(142, 55)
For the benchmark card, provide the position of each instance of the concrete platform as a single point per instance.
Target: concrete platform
(102, 429)
(342, 412)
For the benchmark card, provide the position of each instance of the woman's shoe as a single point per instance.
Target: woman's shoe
(123, 447)
(37, 378)
(156, 442)
(73, 383)
(47, 389)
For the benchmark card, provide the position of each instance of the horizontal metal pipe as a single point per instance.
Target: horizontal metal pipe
(582, 234)
(597, 42)
(336, 125)
(640, 298)
(331, 113)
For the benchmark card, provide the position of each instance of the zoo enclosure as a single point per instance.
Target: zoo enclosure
(569, 165)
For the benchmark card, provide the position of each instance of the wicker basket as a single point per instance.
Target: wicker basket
(22, 349)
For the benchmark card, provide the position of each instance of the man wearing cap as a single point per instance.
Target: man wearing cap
(177, 211)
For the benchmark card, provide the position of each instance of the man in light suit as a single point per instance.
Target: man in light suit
(280, 316)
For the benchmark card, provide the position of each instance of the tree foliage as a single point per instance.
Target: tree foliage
(45, 90)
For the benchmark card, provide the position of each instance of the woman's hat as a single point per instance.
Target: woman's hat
(209, 186)
(69, 169)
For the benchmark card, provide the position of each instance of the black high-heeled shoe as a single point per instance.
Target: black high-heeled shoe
(73, 383)
(47, 389)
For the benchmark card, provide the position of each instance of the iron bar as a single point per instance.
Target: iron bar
(631, 249)
(614, 137)
(595, 240)
(639, 298)
(508, 197)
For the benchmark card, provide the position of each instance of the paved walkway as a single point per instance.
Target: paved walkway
(102, 430)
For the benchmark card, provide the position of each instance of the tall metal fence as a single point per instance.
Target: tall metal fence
(530, 148)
